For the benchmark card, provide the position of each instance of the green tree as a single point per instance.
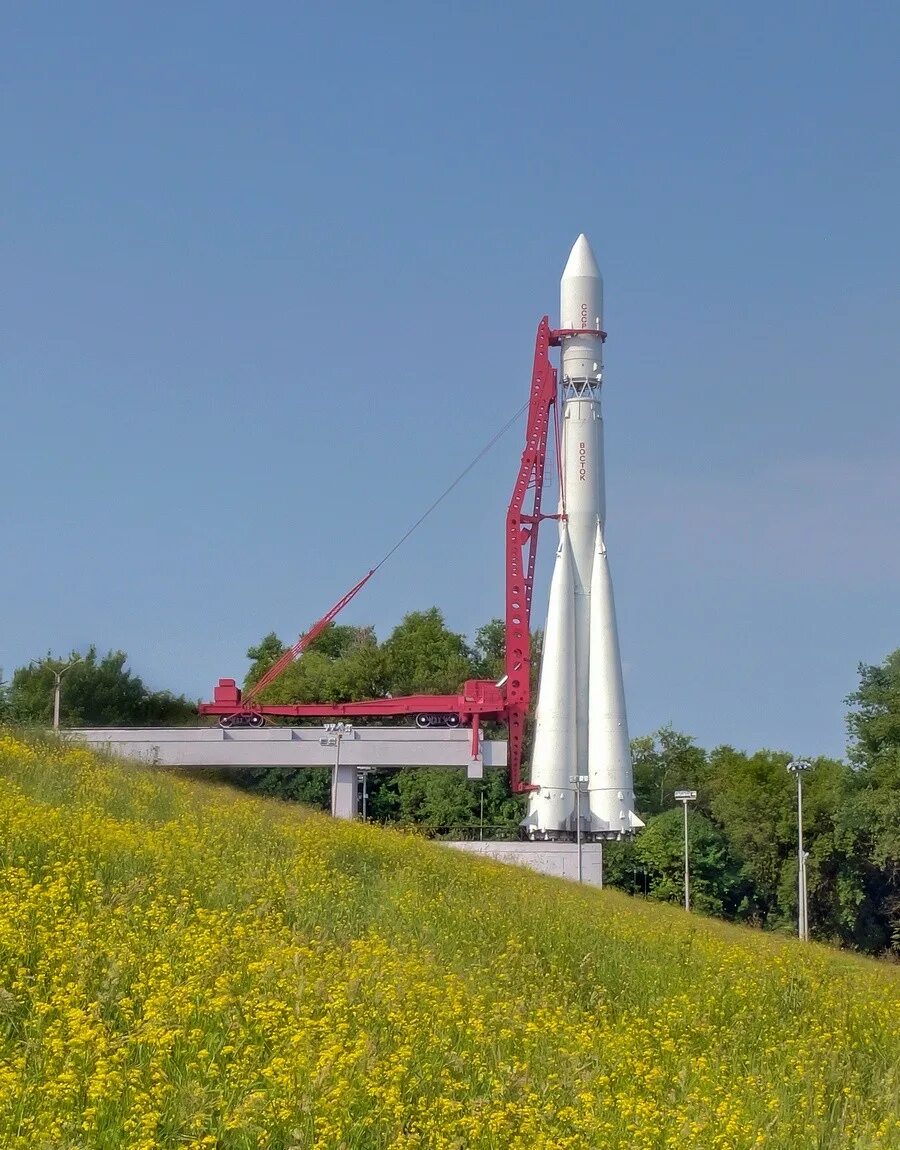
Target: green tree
(347, 664)
(436, 798)
(424, 656)
(875, 818)
(337, 641)
(490, 650)
(846, 895)
(335, 669)
(502, 809)
(874, 721)
(752, 798)
(95, 692)
(308, 785)
(623, 867)
(714, 875)
(266, 652)
(874, 727)
(663, 762)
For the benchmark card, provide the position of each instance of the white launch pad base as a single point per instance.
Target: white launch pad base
(361, 748)
(557, 859)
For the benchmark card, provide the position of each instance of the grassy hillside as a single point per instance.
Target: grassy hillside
(181, 966)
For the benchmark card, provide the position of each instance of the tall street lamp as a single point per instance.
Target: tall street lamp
(336, 732)
(685, 797)
(797, 767)
(57, 673)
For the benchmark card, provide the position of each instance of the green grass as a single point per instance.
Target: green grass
(181, 966)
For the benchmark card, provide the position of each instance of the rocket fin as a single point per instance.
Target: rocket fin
(553, 757)
(609, 751)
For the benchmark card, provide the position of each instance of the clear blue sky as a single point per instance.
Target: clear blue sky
(270, 278)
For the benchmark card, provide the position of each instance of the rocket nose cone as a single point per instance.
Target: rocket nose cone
(581, 261)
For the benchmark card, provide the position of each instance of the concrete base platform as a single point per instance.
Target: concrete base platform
(557, 859)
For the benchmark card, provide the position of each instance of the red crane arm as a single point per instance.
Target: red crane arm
(303, 642)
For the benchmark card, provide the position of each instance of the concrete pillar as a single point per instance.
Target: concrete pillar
(345, 792)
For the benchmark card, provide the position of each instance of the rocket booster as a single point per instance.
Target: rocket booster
(581, 730)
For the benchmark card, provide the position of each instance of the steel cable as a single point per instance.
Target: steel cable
(440, 499)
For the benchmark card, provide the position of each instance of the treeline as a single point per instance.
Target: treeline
(421, 655)
(95, 691)
(742, 829)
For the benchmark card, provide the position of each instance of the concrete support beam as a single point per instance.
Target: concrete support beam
(372, 748)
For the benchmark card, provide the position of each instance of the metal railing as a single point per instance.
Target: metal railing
(472, 832)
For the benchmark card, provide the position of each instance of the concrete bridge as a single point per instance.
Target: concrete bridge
(346, 749)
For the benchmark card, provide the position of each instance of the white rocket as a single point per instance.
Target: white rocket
(581, 729)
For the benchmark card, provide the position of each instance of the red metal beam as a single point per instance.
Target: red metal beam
(488, 703)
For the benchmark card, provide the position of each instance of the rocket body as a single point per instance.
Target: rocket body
(581, 730)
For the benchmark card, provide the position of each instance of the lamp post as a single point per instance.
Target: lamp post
(685, 797)
(57, 673)
(578, 780)
(797, 767)
(336, 732)
(362, 777)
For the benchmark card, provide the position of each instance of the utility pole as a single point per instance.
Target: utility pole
(57, 673)
(685, 797)
(797, 767)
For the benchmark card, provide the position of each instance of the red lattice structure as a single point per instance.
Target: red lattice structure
(478, 700)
